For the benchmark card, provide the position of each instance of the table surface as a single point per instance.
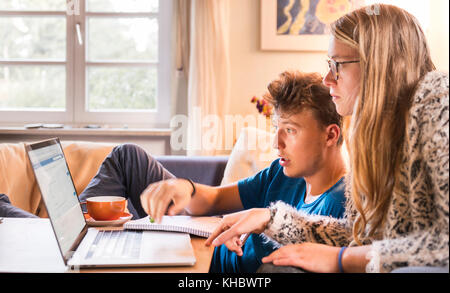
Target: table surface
(32, 247)
(203, 255)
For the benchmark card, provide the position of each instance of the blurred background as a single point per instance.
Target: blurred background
(120, 71)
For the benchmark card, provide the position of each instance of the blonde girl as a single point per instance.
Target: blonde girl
(380, 74)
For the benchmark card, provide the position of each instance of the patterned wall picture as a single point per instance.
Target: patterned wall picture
(300, 24)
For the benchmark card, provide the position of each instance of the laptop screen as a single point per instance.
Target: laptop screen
(58, 192)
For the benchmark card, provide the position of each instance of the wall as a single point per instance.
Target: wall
(438, 33)
(251, 68)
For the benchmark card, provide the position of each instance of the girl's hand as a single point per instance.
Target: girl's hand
(233, 226)
(312, 257)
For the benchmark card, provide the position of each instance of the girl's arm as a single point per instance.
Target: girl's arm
(289, 226)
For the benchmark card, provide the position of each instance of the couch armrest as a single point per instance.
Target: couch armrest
(201, 169)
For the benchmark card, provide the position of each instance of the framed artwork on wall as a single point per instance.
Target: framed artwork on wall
(300, 25)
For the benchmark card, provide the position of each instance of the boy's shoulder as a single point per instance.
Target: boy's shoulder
(337, 191)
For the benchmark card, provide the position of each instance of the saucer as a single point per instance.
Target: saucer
(93, 223)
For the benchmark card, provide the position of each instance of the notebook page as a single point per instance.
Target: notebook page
(200, 226)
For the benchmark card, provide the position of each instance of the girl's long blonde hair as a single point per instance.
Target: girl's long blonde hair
(394, 57)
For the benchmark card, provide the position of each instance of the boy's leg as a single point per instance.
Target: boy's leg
(10, 211)
(126, 172)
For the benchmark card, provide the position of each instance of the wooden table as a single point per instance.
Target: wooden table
(33, 249)
(202, 253)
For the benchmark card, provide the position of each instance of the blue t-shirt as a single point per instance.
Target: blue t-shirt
(258, 191)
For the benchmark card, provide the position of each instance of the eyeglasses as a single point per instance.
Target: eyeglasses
(333, 66)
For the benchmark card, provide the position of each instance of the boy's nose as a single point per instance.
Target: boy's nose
(277, 142)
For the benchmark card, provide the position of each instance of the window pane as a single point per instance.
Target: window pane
(32, 87)
(33, 38)
(49, 5)
(122, 6)
(122, 88)
(123, 39)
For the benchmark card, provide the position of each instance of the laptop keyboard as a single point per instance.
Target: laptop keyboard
(116, 244)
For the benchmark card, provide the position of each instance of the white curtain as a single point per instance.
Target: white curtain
(180, 79)
(208, 76)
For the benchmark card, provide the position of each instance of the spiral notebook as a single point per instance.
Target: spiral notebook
(199, 226)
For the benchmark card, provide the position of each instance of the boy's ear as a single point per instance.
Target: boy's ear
(333, 134)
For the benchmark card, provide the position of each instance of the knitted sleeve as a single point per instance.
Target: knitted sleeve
(428, 242)
(289, 226)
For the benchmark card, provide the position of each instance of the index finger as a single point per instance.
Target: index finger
(226, 235)
(145, 198)
(162, 203)
(215, 233)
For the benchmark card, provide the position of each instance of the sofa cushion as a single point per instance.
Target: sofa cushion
(84, 160)
(17, 179)
(252, 152)
(205, 170)
(18, 182)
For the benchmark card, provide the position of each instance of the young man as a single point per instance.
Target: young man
(308, 174)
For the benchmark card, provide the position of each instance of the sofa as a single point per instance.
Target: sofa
(84, 158)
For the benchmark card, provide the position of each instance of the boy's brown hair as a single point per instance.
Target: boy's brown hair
(294, 91)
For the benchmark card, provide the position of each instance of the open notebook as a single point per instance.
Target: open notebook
(199, 226)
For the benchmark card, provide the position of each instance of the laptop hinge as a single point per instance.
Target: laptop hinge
(76, 243)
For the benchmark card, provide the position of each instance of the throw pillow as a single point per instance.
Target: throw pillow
(252, 152)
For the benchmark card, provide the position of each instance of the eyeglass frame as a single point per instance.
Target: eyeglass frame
(336, 65)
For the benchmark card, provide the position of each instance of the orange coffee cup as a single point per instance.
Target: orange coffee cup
(105, 208)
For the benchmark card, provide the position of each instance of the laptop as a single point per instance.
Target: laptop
(86, 247)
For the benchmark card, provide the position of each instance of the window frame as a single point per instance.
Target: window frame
(76, 67)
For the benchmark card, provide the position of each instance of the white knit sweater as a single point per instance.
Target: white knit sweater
(416, 232)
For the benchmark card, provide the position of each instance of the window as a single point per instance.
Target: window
(85, 61)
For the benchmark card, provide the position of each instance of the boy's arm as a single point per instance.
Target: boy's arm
(209, 200)
(175, 195)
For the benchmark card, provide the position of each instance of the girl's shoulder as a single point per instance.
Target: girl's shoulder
(429, 114)
(433, 88)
